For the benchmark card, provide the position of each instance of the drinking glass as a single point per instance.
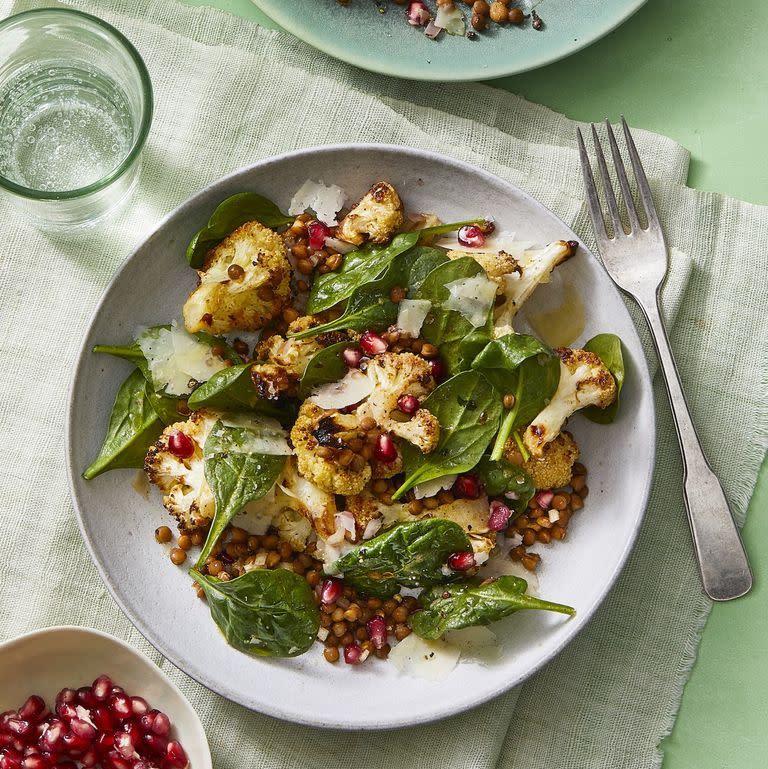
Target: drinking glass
(75, 110)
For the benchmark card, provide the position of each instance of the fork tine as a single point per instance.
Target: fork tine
(634, 223)
(642, 179)
(589, 184)
(607, 186)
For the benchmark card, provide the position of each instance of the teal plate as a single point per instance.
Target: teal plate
(384, 42)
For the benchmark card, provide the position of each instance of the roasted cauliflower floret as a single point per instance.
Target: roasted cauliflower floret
(554, 468)
(281, 362)
(584, 381)
(186, 494)
(372, 515)
(393, 375)
(472, 516)
(244, 283)
(376, 218)
(519, 283)
(301, 496)
(496, 265)
(320, 437)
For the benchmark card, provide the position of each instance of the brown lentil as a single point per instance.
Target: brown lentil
(331, 654)
(178, 556)
(163, 534)
(515, 16)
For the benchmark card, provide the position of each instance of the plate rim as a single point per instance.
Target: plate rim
(271, 708)
(283, 18)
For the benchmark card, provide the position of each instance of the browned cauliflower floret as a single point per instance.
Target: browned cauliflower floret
(472, 515)
(186, 494)
(393, 375)
(519, 282)
(320, 437)
(282, 362)
(298, 497)
(372, 515)
(244, 283)
(376, 218)
(496, 265)
(554, 467)
(584, 381)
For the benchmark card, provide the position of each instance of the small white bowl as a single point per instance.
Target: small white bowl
(45, 661)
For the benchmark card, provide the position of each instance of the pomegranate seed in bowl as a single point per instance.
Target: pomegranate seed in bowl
(471, 235)
(81, 732)
(462, 561)
(384, 449)
(372, 343)
(408, 404)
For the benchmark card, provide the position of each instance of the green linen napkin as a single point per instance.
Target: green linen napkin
(229, 93)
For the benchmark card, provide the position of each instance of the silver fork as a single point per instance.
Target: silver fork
(637, 263)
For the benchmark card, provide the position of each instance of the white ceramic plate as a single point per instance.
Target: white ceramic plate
(46, 661)
(118, 524)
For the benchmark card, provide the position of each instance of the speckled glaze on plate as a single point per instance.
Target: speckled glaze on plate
(384, 42)
(118, 523)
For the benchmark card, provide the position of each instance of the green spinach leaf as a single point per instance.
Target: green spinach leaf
(501, 478)
(423, 259)
(608, 348)
(228, 216)
(326, 365)
(411, 554)
(266, 612)
(236, 474)
(475, 602)
(231, 389)
(366, 264)
(458, 340)
(133, 427)
(525, 367)
(468, 409)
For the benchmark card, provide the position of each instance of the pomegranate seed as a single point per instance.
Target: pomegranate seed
(139, 706)
(384, 449)
(11, 759)
(51, 737)
(89, 759)
(117, 690)
(180, 445)
(5, 717)
(377, 631)
(161, 725)
(105, 743)
(417, 13)
(331, 590)
(372, 343)
(66, 765)
(176, 755)
(74, 744)
(33, 708)
(155, 744)
(499, 517)
(142, 764)
(318, 232)
(36, 762)
(6, 740)
(352, 357)
(85, 697)
(102, 719)
(462, 561)
(66, 711)
(83, 729)
(67, 695)
(467, 486)
(120, 706)
(113, 760)
(437, 369)
(353, 654)
(408, 404)
(124, 745)
(544, 499)
(20, 727)
(471, 235)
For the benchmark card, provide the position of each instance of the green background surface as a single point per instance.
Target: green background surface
(697, 71)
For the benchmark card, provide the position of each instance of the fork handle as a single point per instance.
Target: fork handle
(723, 563)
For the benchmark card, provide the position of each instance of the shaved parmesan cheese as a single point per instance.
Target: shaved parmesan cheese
(174, 357)
(475, 643)
(411, 314)
(472, 297)
(432, 660)
(430, 488)
(326, 201)
(372, 527)
(354, 387)
(451, 19)
(263, 435)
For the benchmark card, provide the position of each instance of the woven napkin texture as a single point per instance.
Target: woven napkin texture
(229, 93)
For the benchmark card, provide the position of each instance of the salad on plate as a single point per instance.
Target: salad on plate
(357, 448)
